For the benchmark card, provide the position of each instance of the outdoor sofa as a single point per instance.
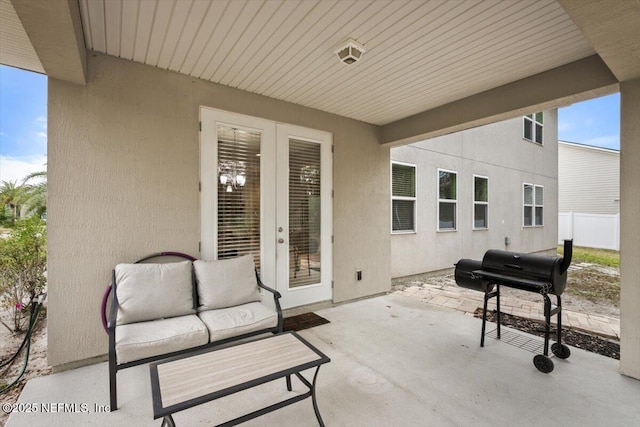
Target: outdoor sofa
(162, 310)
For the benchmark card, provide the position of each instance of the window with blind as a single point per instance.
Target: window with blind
(533, 205)
(447, 200)
(533, 127)
(238, 193)
(403, 197)
(480, 202)
(304, 213)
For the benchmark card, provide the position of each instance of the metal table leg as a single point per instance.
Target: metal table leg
(167, 421)
(313, 398)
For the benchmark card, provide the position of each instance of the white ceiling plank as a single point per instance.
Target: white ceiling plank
(312, 62)
(84, 15)
(146, 18)
(130, 10)
(239, 21)
(470, 68)
(198, 52)
(113, 26)
(311, 42)
(159, 30)
(391, 43)
(191, 27)
(96, 21)
(477, 80)
(248, 36)
(177, 22)
(285, 31)
(361, 29)
(403, 46)
(279, 52)
(435, 62)
(258, 44)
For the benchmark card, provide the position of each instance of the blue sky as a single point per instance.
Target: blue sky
(23, 123)
(594, 122)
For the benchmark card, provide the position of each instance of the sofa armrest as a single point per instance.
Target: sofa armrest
(113, 308)
(275, 293)
(276, 300)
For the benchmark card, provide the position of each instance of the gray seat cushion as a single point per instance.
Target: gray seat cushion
(230, 322)
(137, 341)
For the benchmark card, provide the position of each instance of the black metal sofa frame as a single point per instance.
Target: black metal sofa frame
(109, 312)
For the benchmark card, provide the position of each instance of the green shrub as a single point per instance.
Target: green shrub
(23, 264)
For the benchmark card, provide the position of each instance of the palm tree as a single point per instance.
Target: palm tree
(11, 197)
(35, 195)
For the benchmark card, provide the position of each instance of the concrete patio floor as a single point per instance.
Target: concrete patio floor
(396, 361)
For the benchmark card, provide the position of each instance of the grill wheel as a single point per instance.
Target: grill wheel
(561, 351)
(543, 363)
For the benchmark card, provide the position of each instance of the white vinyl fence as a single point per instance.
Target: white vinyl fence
(590, 230)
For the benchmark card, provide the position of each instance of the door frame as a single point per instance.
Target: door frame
(295, 297)
(269, 197)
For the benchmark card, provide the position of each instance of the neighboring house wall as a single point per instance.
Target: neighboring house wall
(123, 183)
(589, 195)
(499, 152)
(588, 179)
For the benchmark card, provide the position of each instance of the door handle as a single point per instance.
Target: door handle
(281, 240)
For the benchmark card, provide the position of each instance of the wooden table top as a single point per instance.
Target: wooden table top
(193, 379)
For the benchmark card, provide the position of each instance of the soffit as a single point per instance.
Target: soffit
(420, 54)
(16, 49)
(613, 29)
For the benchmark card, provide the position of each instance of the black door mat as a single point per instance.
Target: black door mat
(303, 321)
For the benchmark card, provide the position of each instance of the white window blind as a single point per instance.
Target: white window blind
(480, 202)
(533, 205)
(447, 200)
(539, 205)
(403, 197)
(527, 197)
(238, 193)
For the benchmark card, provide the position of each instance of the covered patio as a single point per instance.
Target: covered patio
(127, 82)
(394, 361)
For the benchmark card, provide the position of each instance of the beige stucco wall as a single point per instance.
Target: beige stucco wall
(630, 227)
(496, 151)
(123, 182)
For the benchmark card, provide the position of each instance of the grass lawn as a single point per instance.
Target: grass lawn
(592, 283)
(604, 257)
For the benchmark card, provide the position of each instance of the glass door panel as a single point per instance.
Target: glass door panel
(238, 183)
(304, 213)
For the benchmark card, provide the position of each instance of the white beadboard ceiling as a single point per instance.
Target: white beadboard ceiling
(420, 54)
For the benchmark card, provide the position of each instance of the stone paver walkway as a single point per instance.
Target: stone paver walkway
(468, 301)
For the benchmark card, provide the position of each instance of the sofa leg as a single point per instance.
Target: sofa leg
(113, 398)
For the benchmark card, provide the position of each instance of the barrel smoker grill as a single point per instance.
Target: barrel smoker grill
(545, 275)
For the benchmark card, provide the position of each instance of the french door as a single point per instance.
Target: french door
(266, 190)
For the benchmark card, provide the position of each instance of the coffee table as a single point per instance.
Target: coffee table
(201, 376)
